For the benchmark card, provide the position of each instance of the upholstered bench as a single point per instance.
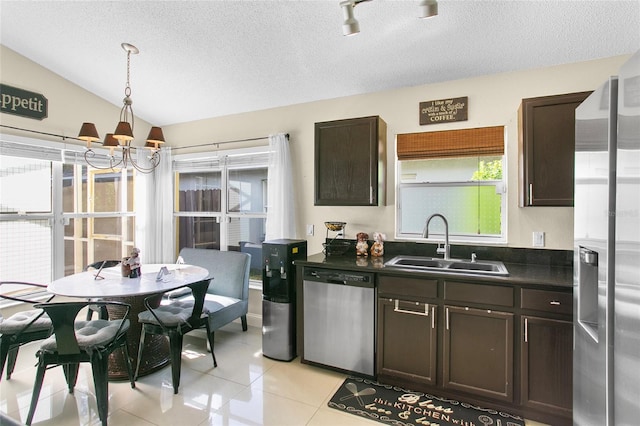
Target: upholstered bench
(227, 297)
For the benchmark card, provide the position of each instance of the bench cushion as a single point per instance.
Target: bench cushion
(227, 297)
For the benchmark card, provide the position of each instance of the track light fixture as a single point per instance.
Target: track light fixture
(350, 26)
(429, 8)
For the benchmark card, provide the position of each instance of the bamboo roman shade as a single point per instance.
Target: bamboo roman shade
(482, 141)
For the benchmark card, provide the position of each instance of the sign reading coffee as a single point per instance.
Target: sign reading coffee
(443, 111)
(22, 102)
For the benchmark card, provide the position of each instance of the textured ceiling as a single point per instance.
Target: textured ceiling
(201, 59)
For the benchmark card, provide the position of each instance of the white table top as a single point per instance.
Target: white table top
(114, 284)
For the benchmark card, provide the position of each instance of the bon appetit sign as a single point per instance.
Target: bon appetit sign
(443, 111)
(24, 103)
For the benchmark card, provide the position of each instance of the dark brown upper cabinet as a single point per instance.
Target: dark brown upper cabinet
(350, 162)
(546, 149)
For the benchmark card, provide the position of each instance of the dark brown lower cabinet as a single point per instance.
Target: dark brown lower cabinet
(497, 345)
(546, 365)
(478, 352)
(407, 340)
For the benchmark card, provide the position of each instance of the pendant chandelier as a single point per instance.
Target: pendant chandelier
(122, 137)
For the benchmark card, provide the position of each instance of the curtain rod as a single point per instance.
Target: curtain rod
(173, 149)
(64, 138)
(225, 142)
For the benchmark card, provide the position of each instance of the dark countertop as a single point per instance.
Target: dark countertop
(529, 274)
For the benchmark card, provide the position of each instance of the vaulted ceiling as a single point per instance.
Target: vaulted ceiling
(201, 59)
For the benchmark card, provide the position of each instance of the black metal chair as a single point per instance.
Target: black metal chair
(75, 341)
(174, 319)
(24, 326)
(99, 265)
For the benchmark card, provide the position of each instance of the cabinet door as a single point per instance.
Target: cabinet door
(547, 145)
(547, 365)
(407, 340)
(478, 352)
(350, 159)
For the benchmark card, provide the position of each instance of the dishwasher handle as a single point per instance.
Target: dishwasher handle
(339, 277)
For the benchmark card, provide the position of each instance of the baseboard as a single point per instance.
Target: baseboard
(253, 320)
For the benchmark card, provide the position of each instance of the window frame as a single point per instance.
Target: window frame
(60, 154)
(223, 161)
(437, 237)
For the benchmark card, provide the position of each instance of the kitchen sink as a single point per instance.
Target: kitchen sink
(477, 266)
(455, 266)
(420, 262)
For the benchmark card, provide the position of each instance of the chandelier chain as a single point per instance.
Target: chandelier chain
(127, 89)
(123, 136)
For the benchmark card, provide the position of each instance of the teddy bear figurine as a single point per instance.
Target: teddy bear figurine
(362, 246)
(377, 248)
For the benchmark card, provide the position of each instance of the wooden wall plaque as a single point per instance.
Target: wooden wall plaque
(443, 111)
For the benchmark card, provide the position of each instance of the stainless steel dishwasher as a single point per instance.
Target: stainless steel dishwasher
(339, 319)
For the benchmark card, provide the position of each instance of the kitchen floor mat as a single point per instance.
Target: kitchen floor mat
(401, 407)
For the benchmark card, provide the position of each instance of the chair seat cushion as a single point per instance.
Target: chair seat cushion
(178, 293)
(91, 335)
(18, 321)
(171, 314)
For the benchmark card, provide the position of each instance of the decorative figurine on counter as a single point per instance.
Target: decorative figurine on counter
(377, 249)
(362, 246)
(131, 265)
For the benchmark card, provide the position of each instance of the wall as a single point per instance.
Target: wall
(493, 100)
(69, 105)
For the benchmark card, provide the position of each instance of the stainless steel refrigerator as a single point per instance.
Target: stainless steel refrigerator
(606, 368)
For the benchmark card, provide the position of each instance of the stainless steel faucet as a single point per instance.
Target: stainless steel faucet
(447, 248)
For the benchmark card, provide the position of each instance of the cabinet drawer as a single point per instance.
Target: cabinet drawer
(478, 293)
(407, 286)
(547, 300)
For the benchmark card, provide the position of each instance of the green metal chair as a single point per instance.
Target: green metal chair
(24, 326)
(174, 319)
(99, 265)
(75, 341)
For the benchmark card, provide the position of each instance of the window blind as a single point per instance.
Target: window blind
(53, 151)
(482, 141)
(191, 163)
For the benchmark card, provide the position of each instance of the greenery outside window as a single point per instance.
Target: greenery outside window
(437, 174)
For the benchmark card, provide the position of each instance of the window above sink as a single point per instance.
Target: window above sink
(445, 172)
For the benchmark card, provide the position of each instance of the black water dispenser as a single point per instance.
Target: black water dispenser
(279, 297)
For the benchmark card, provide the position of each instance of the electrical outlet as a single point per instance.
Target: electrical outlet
(310, 229)
(538, 239)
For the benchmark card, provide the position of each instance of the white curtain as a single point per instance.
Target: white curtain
(281, 220)
(154, 212)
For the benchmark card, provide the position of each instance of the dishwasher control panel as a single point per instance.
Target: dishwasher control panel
(333, 276)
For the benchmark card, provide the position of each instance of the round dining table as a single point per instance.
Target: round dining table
(109, 284)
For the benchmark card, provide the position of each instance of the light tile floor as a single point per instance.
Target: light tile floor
(245, 389)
